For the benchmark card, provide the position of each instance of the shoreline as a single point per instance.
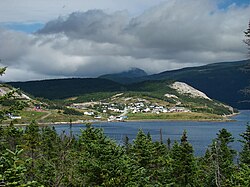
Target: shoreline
(224, 119)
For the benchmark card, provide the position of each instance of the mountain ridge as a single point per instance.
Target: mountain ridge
(228, 82)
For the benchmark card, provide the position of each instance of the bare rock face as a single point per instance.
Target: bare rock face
(184, 88)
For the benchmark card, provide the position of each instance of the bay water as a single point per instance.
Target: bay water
(200, 134)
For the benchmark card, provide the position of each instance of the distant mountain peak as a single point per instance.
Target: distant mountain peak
(133, 72)
(125, 76)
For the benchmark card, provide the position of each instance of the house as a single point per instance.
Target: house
(89, 113)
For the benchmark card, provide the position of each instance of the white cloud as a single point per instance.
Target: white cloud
(45, 10)
(175, 34)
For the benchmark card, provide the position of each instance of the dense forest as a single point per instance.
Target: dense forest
(38, 156)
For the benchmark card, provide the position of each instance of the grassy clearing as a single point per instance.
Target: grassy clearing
(50, 116)
(60, 117)
(174, 116)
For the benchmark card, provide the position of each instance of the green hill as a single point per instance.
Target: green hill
(228, 82)
(65, 88)
(158, 92)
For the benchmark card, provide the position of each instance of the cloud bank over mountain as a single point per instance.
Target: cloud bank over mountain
(174, 34)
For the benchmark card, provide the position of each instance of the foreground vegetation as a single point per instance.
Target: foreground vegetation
(40, 157)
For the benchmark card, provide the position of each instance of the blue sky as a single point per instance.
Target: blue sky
(226, 3)
(23, 27)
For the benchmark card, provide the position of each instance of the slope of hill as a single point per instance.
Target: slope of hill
(64, 88)
(228, 82)
(171, 94)
(150, 100)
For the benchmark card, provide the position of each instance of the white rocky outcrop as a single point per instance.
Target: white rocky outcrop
(184, 88)
(171, 96)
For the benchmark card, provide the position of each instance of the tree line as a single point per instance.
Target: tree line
(35, 156)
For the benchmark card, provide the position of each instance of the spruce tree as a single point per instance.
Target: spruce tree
(30, 145)
(219, 160)
(184, 167)
(245, 153)
(101, 160)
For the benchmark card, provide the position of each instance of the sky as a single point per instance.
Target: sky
(45, 39)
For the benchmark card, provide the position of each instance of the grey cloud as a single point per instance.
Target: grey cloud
(13, 45)
(175, 34)
(94, 25)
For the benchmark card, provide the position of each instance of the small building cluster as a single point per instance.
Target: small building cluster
(116, 111)
(141, 107)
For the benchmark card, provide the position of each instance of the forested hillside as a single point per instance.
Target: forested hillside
(228, 82)
(64, 88)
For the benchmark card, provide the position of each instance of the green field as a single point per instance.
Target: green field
(46, 116)
(175, 116)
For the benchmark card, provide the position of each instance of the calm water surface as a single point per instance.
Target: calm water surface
(200, 134)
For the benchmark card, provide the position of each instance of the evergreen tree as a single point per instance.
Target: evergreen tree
(142, 149)
(48, 156)
(101, 161)
(127, 145)
(240, 177)
(183, 163)
(151, 159)
(31, 143)
(11, 137)
(13, 170)
(245, 153)
(219, 160)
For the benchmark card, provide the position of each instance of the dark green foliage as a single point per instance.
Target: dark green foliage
(102, 162)
(12, 169)
(221, 81)
(218, 161)
(10, 137)
(71, 111)
(245, 153)
(182, 155)
(241, 176)
(97, 96)
(126, 77)
(39, 156)
(65, 88)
